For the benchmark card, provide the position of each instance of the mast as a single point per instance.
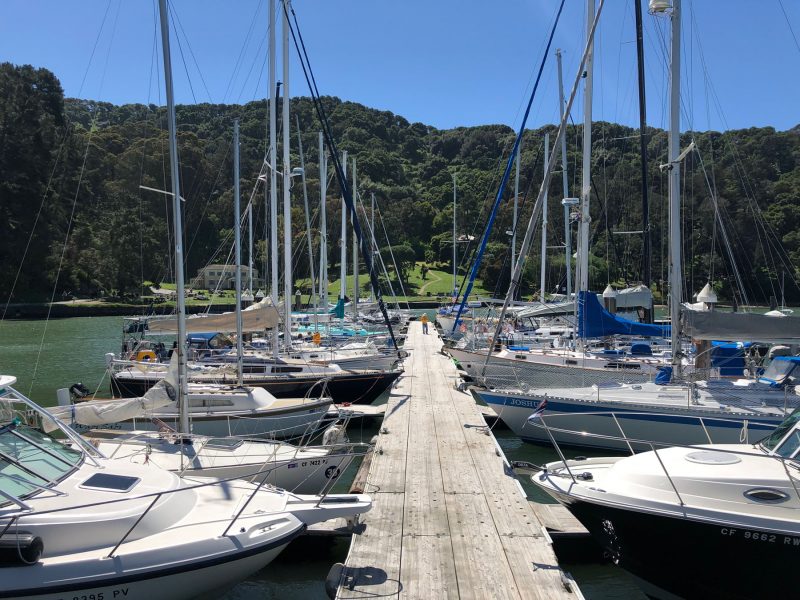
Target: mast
(674, 187)
(646, 261)
(323, 227)
(308, 221)
(343, 239)
(455, 242)
(355, 249)
(537, 207)
(237, 226)
(273, 165)
(565, 182)
(250, 248)
(544, 219)
(287, 206)
(176, 215)
(582, 282)
(516, 206)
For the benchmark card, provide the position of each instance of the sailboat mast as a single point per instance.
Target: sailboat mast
(455, 242)
(308, 222)
(323, 227)
(675, 283)
(250, 248)
(176, 215)
(565, 182)
(582, 283)
(355, 248)
(646, 275)
(516, 208)
(273, 166)
(287, 206)
(343, 239)
(237, 226)
(544, 219)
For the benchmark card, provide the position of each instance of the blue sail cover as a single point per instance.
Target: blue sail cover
(594, 321)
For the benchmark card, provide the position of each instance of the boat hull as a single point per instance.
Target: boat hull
(657, 423)
(200, 578)
(678, 556)
(353, 388)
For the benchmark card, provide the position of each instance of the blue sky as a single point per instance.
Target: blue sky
(445, 63)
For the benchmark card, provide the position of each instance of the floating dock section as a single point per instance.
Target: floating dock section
(449, 518)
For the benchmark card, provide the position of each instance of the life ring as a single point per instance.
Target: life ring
(146, 356)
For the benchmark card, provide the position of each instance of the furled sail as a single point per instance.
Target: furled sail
(716, 325)
(258, 317)
(103, 412)
(594, 321)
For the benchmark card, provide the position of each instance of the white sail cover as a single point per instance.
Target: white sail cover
(258, 317)
(740, 327)
(104, 412)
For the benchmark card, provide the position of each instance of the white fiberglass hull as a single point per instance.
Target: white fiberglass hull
(659, 422)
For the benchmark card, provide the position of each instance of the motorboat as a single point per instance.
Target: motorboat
(79, 524)
(718, 521)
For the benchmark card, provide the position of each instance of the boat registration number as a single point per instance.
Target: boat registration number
(760, 536)
(114, 593)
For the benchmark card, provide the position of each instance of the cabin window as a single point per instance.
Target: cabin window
(776, 436)
(209, 402)
(287, 369)
(789, 447)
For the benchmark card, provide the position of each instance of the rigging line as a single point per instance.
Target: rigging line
(305, 63)
(208, 200)
(180, 50)
(173, 11)
(252, 65)
(507, 172)
(94, 49)
(785, 16)
(245, 42)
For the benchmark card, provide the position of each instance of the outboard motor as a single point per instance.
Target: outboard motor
(78, 391)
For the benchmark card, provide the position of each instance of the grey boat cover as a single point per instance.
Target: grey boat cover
(739, 327)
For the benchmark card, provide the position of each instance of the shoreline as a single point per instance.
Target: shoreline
(66, 310)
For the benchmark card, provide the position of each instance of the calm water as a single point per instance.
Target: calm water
(46, 356)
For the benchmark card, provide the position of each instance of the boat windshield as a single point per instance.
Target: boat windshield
(29, 459)
(770, 443)
(778, 371)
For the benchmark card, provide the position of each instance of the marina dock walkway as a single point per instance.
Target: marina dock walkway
(449, 520)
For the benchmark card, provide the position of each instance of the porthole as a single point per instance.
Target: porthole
(766, 495)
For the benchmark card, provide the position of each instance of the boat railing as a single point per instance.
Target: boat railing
(223, 483)
(654, 446)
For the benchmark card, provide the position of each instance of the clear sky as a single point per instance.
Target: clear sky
(445, 63)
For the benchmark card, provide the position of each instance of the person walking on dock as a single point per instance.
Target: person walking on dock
(424, 320)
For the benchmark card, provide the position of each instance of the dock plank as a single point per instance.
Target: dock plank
(449, 520)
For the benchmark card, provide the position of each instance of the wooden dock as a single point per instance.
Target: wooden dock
(449, 519)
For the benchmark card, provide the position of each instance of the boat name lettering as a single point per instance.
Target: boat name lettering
(314, 463)
(115, 593)
(524, 403)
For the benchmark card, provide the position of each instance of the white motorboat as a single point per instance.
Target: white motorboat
(77, 524)
(715, 521)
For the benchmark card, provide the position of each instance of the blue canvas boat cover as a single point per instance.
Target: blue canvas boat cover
(594, 321)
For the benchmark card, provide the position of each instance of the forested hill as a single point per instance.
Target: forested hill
(71, 201)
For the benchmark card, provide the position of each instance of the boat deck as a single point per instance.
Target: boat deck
(449, 519)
